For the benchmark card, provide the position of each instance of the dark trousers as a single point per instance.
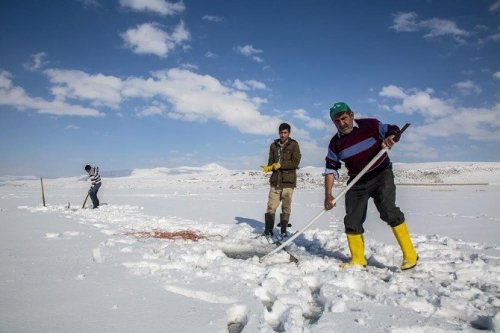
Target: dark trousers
(93, 194)
(383, 191)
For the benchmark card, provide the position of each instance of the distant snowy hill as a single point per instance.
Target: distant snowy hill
(211, 168)
(448, 172)
(425, 173)
(437, 173)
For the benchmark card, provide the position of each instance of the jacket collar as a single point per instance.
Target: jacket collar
(287, 142)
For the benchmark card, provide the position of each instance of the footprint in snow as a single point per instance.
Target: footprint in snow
(237, 317)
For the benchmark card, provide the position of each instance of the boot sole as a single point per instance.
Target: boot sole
(405, 269)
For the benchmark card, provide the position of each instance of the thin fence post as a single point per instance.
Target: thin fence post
(43, 192)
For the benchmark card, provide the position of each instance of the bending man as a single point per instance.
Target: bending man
(96, 184)
(356, 143)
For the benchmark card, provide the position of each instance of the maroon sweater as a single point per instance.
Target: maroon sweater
(357, 148)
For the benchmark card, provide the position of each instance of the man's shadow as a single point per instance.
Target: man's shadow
(258, 226)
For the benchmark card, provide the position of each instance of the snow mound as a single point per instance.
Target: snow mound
(448, 172)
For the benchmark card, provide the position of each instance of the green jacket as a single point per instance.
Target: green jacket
(289, 158)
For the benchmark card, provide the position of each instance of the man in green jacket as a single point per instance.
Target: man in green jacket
(284, 159)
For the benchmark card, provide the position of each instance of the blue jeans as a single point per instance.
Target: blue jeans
(93, 194)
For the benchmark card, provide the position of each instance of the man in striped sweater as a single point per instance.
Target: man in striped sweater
(96, 183)
(355, 144)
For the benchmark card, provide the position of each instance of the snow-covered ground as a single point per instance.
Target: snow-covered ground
(67, 269)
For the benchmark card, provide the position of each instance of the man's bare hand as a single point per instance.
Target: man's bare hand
(329, 201)
(388, 142)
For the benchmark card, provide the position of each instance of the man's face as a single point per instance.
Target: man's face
(344, 122)
(284, 134)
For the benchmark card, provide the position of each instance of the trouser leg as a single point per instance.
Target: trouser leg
(356, 203)
(273, 200)
(286, 200)
(286, 208)
(93, 195)
(384, 197)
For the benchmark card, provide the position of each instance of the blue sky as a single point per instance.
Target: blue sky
(146, 83)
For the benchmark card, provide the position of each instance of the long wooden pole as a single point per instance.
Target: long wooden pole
(43, 193)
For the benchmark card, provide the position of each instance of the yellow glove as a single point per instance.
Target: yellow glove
(267, 168)
(272, 167)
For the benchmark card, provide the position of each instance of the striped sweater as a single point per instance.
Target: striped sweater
(94, 176)
(357, 148)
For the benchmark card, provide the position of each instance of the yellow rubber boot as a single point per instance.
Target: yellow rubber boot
(410, 256)
(357, 248)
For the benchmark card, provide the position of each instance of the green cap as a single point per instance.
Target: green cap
(338, 108)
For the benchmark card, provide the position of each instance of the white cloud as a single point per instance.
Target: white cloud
(196, 97)
(249, 85)
(153, 110)
(189, 66)
(405, 22)
(161, 7)
(481, 124)
(495, 7)
(310, 122)
(256, 84)
(210, 55)
(442, 118)
(435, 27)
(174, 93)
(17, 98)
(440, 27)
(190, 96)
(5, 80)
(497, 75)
(72, 127)
(468, 87)
(213, 18)
(393, 91)
(258, 59)
(250, 52)
(148, 38)
(37, 61)
(72, 84)
(416, 101)
(495, 37)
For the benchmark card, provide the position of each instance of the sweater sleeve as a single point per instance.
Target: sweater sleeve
(332, 161)
(386, 130)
